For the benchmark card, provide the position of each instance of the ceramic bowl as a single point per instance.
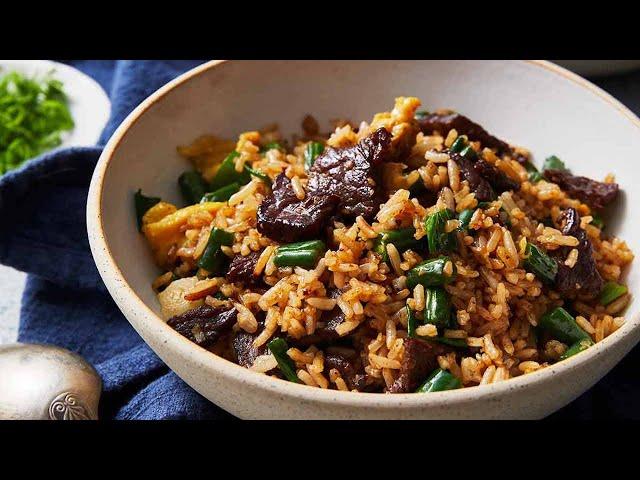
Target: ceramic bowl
(599, 68)
(530, 103)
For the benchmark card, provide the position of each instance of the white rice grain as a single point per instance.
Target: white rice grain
(436, 157)
(263, 259)
(321, 303)
(245, 192)
(418, 297)
(394, 258)
(264, 363)
(428, 330)
(246, 319)
(572, 258)
(298, 189)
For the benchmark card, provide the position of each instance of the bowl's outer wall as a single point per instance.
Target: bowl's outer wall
(528, 401)
(521, 102)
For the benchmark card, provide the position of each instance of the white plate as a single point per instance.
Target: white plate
(90, 107)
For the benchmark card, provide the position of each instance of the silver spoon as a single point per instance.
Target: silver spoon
(44, 382)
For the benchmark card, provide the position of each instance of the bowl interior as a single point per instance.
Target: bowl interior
(542, 108)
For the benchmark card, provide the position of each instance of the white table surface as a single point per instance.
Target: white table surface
(11, 287)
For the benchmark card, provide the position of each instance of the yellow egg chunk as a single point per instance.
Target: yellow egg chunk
(158, 212)
(168, 231)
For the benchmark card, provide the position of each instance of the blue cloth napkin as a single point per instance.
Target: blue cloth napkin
(43, 232)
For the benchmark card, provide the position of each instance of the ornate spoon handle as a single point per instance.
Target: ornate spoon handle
(44, 382)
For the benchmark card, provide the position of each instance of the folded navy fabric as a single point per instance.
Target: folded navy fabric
(43, 232)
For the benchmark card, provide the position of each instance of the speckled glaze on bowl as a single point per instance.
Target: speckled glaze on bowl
(534, 104)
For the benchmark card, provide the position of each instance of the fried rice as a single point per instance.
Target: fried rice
(381, 336)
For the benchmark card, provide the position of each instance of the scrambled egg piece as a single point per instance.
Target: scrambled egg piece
(163, 228)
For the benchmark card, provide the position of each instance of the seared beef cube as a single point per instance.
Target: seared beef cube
(477, 183)
(244, 350)
(284, 218)
(348, 173)
(242, 267)
(204, 325)
(584, 277)
(497, 179)
(420, 358)
(443, 122)
(593, 193)
(342, 181)
(352, 378)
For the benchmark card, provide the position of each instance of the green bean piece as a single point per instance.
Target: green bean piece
(438, 240)
(610, 292)
(221, 237)
(303, 245)
(439, 381)
(458, 145)
(437, 310)
(212, 259)
(215, 260)
(272, 146)
(142, 204)
(412, 322)
(311, 152)
(597, 221)
(453, 342)
(530, 167)
(465, 219)
(278, 348)
(469, 153)
(554, 163)
(430, 273)
(412, 325)
(540, 264)
(421, 115)
(403, 239)
(258, 174)
(222, 194)
(535, 177)
(562, 326)
(301, 254)
(192, 186)
(219, 295)
(227, 173)
(577, 347)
